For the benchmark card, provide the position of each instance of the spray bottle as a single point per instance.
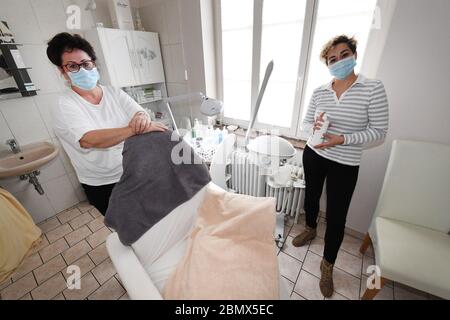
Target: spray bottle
(317, 138)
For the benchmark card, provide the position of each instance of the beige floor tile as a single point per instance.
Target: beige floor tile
(289, 221)
(307, 286)
(19, 288)
(60, 296)
(95, 213)
(49, 224)
(98, 237)
(296, 252)
(84, 263)
(321, 228)
(297, 229)
(104, 271)
(53, 249)
(289, 285)
(312, 264)
(317, 245)
(402, 292)
(77, 235)
(349, 263)
(58, 233)
(88, 285)
(110, 290)
(68, 215)
(49, 288)
(5, 283)
(26, 297)
(386, 293)
(84, 206)
(296, 296)
(124, 297)
(351, 245)
(49, 269)
(44, 242)
(336, 296)
(99, 254)
(81, 220)
(76, 252)
(346, 284)
(29, 264)
(96, 224)
(289, 267)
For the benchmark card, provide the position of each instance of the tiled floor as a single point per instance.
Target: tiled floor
(77, 237)
(300, 268)
(73, 237)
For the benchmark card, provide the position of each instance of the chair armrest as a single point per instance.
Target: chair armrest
(135, 279)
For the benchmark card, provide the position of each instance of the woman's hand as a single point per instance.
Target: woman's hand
(155, 126)
(331, 140)
(140, 122)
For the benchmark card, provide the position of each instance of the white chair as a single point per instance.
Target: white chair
(410, 230)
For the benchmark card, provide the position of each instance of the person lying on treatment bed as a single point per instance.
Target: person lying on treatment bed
(224, 246)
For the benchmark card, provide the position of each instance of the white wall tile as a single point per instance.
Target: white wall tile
(50, 16)
(63, 157)
(153, 19)
(61, 193)
(22, 21)
(14, 184)
(45, 103)
(52, 170)
(175, 63)
(43, 73)
(5, 133)
(172, 20)
(37, 205)
(87, 20)
(24, 120)
(77, 186)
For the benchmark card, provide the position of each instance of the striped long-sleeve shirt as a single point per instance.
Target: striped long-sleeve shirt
(361, 115)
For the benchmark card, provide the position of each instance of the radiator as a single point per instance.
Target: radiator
(245, 178)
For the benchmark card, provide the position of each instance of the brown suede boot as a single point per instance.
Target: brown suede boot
(304, 237)
(326, 280)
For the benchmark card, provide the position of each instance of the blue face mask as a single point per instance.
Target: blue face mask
(343, 68)
(84, 79)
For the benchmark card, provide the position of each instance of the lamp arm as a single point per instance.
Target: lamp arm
(171, 117)
(267, 75)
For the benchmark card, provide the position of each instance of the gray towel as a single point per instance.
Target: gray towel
(152, 185)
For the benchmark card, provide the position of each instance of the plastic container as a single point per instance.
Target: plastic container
(317, 138)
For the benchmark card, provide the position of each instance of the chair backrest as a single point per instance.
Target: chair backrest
(416, 186)
(219, 161)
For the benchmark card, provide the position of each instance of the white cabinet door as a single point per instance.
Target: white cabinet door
(148, 56)
(121, 57)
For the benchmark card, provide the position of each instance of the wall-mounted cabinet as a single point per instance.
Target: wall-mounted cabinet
(127, 58)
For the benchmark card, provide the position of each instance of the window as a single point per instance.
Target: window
(251, 33)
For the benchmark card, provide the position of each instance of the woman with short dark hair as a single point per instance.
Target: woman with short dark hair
(92, 120)
(357, 110)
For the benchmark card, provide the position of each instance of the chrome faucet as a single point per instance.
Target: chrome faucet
(13, 145)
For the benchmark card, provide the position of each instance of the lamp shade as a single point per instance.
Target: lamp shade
(211, 107)
(272, 146)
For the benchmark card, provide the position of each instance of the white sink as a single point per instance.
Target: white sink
(29, 159)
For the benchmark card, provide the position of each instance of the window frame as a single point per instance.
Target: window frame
(309, 23)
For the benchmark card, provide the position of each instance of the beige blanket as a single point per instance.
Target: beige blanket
(231, 252)
(18, 234)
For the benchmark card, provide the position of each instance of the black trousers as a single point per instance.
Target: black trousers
(98, 196)
(341, 182)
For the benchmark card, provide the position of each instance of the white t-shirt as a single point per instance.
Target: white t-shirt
(74, 116)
